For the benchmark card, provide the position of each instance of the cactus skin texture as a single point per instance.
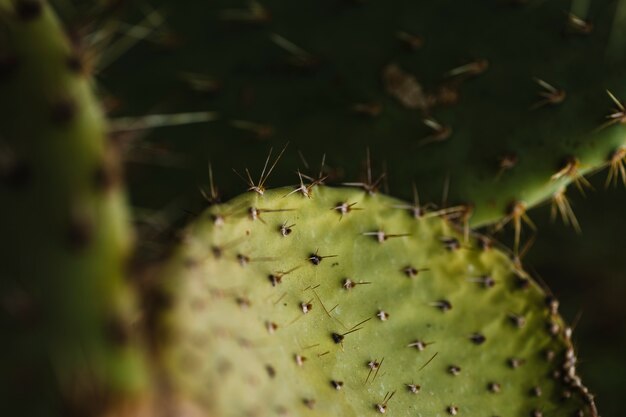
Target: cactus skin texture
(345, 304)
(517, 88)
(66, 312)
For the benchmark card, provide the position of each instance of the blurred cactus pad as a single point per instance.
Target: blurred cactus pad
(493, 104)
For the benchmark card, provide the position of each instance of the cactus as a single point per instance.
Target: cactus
(313, 300)
(503, 103)
(67, 314)
(337, 302)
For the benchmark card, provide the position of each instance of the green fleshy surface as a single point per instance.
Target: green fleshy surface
(230, 338)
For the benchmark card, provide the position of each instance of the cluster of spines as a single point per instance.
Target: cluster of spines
(400, 89)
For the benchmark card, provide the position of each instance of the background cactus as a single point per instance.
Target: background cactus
(66, 312)
(531, 189)
(446, 95)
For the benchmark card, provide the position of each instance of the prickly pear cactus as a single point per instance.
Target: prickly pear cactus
(501, 103)
(321, 301)
(67, 316)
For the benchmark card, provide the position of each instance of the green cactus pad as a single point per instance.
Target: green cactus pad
(326, 301)
(504, 100)
(67, 316)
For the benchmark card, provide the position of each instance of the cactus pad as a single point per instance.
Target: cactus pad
(332, 301)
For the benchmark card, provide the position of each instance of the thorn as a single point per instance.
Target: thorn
(517, 320)
(279, 299)
(316, 259)
(265, 173)
(617, 167)
(428, 361)
(220, 218)
(517, 214)
(450, 243)
(453, 410)
(277, 277)
(477, 338)
(255, 213)
(561, 203)
(549, 94)
(515, 362)
(244, 260)
(319, 176)
(271, 327)
(571, 169)
(517, 259)
(578, 25)
(299, 360)
(345, 208)
(213, 196)
(506, 162)
(298, 57)
(374, 365)
(382, 407)
(382, 315)
(460, 216)
(412, 272)
(454, 370)
(327, 312)
(303, 159)
(471, 69)
(494, 387)
(416, 209)
(618, 115)
(306, 306)
(348, 284)
(413, 388)
(419, 345)
(338, 385)
(306, 190)
(440, 132)
(153, 121)
(285, 229)
(149, 28)
(486, 281)
(380, 236)
(338, 337)
(369, 186)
